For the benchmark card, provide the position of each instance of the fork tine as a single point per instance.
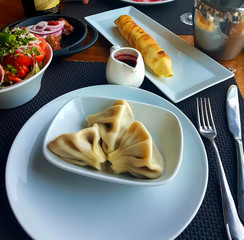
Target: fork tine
(198, 114)
(206, 111)
(202, 113)
(211, 115)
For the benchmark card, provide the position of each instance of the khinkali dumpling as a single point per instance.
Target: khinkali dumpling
(112, 122)
(137, 154)
(80, 148)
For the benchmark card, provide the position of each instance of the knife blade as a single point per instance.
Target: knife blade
(234, 123)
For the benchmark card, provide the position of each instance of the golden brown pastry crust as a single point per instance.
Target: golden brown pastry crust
(153, 55)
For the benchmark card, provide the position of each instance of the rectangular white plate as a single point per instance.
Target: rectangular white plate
(193, 70)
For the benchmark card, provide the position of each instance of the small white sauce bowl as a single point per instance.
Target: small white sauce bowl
(118, 72)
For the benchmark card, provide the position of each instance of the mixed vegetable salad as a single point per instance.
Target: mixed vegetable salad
(21, 55)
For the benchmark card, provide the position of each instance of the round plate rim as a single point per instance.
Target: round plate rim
(112, 88)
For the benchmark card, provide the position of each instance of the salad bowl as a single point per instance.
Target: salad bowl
(22, 92)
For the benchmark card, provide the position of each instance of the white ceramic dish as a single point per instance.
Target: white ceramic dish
(164, 128)
(147, 2)
(193, 70)
(22, 92)
(51, 203)
(119, 72)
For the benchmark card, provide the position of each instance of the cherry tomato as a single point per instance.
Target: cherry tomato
(43, 42)
(7, 60)
(22, 70)
(9, 77)
(22, 59)
(41, 55)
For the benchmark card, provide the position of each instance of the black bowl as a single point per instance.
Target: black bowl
(70, 44)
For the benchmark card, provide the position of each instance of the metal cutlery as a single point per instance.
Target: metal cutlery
(206, 126)
(234, 122)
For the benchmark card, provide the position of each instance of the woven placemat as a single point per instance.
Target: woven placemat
(208, 223)
(167, 14)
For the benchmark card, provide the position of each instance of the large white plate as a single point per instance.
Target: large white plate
(193, 70)
(51, 203)
(146, 2)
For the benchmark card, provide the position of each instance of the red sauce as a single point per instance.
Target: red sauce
(127, 58)
(53, 22)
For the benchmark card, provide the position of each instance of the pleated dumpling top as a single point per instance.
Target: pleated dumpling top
(137, 154)
(112, 122)
(80, 148)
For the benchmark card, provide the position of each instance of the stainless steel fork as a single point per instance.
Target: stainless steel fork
(234, 227)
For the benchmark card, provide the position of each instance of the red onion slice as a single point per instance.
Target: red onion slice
(61, 24)
(1, 81)
(47, 30)
(41, 25)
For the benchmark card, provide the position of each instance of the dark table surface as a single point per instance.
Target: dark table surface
(208, 222)
(167, 14)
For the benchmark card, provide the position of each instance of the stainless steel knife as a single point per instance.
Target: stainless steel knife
(234, 122)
